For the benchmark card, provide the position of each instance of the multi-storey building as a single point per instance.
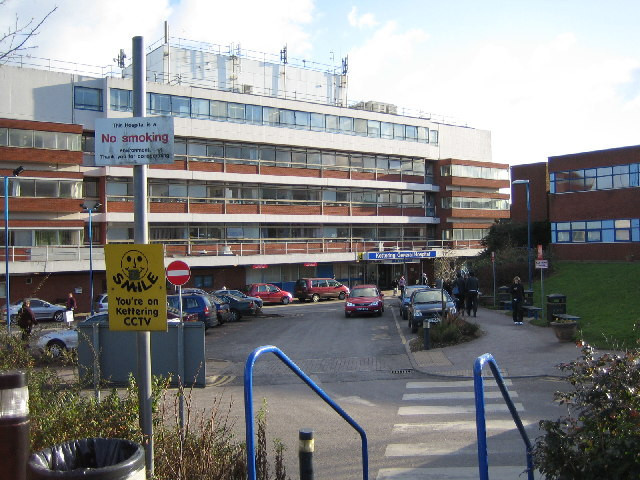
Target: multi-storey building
(276, 176)
(592, 203)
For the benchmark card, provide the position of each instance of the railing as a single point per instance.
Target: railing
(483, 460)
(249, 416)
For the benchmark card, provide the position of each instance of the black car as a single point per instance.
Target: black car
(194, 303)
(223, 309)
(405, 297)
(428, 304)
(237, 293)
(239, 306)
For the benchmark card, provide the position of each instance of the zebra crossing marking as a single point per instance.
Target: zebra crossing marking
(496, 426)
(455, 409)
(450, 473)
(452, 395)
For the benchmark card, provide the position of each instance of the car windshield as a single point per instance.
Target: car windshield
(409, 290)
(364, 292)
(431, 296)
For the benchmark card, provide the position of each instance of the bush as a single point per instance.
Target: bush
(450, 331)
(600, 436)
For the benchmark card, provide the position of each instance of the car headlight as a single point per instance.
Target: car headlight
(417, 313)
(349, 304)
(375, 304)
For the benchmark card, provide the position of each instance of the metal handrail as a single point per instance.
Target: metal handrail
(481, 427)
(249, 416)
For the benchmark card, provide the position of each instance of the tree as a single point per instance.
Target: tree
(15, 39)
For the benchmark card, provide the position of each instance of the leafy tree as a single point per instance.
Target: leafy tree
(18, 35)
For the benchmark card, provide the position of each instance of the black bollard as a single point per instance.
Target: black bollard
(305, 454)
(14, 425)
(426, 330)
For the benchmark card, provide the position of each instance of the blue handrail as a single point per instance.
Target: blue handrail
(481, 427)
(249, 416)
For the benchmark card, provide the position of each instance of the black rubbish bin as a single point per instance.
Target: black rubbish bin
(528, 298)
(89, 458)
(556, 303)
(503, 294)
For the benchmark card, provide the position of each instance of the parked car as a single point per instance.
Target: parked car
(194, 303)
(101, 303)
(173, 314)
(223, 309)
(427, 305)
(58, 341)
(364, 299)
(258, 301)
(316, 288)
(239, 306)
(406, 296)
(42, 309)
(269, 293)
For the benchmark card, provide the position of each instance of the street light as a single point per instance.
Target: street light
(526, 182)
(16, 172)
(91, 210)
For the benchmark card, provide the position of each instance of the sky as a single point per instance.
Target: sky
(546, 77)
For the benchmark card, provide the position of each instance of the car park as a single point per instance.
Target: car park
(405, 296)
(239, 306)
(200, 304)
(429, 305)
(364, 299)
(42, 309)
(237, 293)
(269, 293)
(315, 289)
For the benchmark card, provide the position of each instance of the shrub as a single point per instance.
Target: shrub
(600, 436)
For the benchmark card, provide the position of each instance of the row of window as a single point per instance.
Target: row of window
(468, 171)
(465, 234)
(252, 194)
(44, 187)
(596, 231)
(206, 233)
(162, 104)
(17, 137)
(475, 203)
(601, 178)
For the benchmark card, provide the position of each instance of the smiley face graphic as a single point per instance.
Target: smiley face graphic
(134, 265)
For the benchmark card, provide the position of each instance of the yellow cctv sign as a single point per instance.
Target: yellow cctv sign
(136, 287)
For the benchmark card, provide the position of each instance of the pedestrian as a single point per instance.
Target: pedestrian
(459, 290)
(472, 294)
(26, 319)
(394, 284)
(517, 300)
(71, 302)
(424, 279)
(401, 284)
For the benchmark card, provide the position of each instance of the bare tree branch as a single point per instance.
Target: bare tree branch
(17, 36)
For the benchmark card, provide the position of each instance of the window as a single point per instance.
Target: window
(159, 104)
(235, 111)
(317, 122)
(218, 109)
(596, 231)
(411, 133)
(200, 108)
(360, 126)
(21, 138)
(332, 123)
(271, 115)
(180, 106)
(398, 131)
(121, 100)
(386, 130)
(303, 120)
(85, 98)
(253, 114)
(346, 125)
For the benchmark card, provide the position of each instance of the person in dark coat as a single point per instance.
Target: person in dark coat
(26, 319)
(459, 290)
(517, 300)
(472, 294)
(71, 302)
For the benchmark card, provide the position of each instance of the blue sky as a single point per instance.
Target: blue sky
(545, 77)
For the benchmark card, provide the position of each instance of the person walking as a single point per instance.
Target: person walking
(459, 290)
(401, 284)
(517, 300)
(26, 319)
(394, 284)
(472, 294)
(424, 280)
(71, 302)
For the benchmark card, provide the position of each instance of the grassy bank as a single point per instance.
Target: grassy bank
(606, 296)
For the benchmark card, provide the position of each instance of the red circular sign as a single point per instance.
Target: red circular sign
(178, 272)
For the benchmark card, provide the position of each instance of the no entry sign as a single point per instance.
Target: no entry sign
(178, 273)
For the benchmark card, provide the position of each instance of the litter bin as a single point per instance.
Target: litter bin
(556, 303)
(503, 294)
(528, 298)
(89, 458)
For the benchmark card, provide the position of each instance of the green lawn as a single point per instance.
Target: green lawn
(606, 296)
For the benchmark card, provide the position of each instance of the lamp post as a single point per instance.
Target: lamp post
(526, 182)
(91, 210)
(16, 172)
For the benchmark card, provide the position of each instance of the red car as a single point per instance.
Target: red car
(269, 293)
(364, 299)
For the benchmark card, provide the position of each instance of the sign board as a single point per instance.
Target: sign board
(398, 255)
(136, 286)
(262, 265)
(542, 263)
(178, 272)
(310, 264)
(134, 141)
(540, 252)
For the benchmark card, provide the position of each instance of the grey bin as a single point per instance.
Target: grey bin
(117, 354)
(556, 303)
(89, 458)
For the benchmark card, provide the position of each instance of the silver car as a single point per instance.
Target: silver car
(42, 309)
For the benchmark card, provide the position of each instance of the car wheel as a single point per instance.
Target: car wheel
(315, 297)
(235, 316)
(342, 295)
(347, 314)
(285, 300)
(58, 316)
(221, 320)
(56, 348)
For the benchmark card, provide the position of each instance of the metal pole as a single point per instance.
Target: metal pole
(6, 251)
(426, 331)
(529, 238)
(181, 361)
(90, 262)
(305, 454)
(141, 236)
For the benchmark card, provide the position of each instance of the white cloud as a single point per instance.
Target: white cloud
(365, 20)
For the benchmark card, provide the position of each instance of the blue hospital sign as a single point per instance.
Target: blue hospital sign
(398, 255)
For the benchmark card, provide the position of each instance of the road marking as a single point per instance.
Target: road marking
(455, 409)
(496, 426)
(452, 473)
(452, 395)
(219, 380)
(431, 449)
(455, 384)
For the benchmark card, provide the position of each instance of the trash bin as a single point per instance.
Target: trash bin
(14, 424)
(556, 303)
(89, 458)
(503, 294)
(528, 298)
